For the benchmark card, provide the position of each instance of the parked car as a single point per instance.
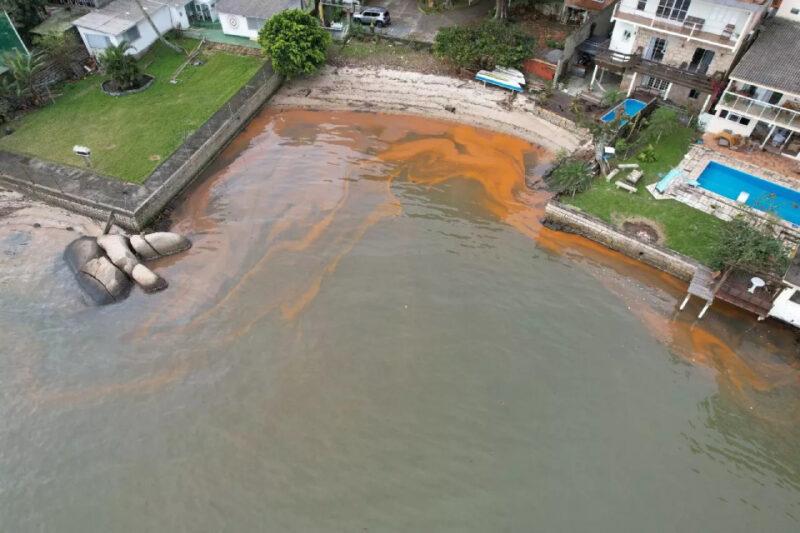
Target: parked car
(374, 15)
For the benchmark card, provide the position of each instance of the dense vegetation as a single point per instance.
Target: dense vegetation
(484, 46)
(122, 68)
(295, 41)
(744, 245)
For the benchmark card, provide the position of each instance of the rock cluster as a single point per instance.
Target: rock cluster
(107, 266)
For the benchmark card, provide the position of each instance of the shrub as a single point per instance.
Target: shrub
(552, 43)
(295, 41)
(571, 176)
(647, 155)
(484, 46)
(122, 68)
(611, 97)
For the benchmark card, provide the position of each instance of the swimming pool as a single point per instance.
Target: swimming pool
(630, 107)
(763, 195)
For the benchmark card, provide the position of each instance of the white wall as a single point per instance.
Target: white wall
(718, 124)
(784, 309)
(236, 25)
(618, 41)
(786, 8)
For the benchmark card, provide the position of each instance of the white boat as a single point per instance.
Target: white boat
(511, 73)
(500, 80)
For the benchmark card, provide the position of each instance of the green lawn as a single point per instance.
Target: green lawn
(130, 135)
(686, 230)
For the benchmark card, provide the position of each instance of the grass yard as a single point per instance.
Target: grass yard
(130, 135)
(686, 230)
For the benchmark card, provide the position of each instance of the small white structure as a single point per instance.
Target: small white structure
(123, 20)
(786, 306)
(244, 18)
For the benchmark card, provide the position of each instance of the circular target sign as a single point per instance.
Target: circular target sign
(233, 21)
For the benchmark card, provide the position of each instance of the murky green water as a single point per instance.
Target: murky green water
(372, 333)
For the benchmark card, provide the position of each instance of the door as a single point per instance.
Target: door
(655, 49)
(701, 60)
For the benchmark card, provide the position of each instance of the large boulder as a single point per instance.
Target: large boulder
(96, 274)
(116, 247)
(159, 244)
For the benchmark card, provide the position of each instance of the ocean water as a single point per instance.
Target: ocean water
(372, 332)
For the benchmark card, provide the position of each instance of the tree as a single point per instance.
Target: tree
(501, 9)
(121, 67)
(663, 121)
(295, 41)
(23, 69)
(26, 14)
(744, 246)
(571, 176)
(155, 29)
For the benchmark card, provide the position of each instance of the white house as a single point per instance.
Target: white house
(123, 20)
(762, 99)
(244, 18)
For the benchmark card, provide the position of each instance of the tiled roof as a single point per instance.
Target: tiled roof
(774, 58)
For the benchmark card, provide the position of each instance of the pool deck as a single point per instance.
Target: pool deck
(759, 158)
(693, 164)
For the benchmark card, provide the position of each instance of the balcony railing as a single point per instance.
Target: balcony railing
(756, 109)
(692, 27)
(618, 61)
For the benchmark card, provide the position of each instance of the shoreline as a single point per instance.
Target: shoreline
(467, 102)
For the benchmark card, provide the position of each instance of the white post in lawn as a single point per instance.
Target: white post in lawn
(769, 136)
(633, 83)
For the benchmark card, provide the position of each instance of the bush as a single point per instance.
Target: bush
(612, 97)
(295, 41)
(122, 68)
(571, 176)
(647, 155)
(484, 46)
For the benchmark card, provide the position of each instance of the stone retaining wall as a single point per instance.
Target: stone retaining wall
(89, 193)
(570, 219)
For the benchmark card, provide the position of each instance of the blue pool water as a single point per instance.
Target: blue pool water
(630, 108)
(764, 195)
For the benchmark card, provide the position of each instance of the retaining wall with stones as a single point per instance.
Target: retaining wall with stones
(86, 192)
(572, 220)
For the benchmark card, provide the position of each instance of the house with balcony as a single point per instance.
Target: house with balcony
(762, 98)
(678, 50)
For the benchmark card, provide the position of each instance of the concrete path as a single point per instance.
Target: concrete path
(408, 22)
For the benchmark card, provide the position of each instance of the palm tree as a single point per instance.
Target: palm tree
(155, 29)
(23, 69)
(122, 68)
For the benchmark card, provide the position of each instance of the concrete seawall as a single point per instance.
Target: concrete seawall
(570, 219)
(89, 193)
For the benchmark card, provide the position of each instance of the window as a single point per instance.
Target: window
(701, 60)
(795, 11)
(641, 5)
(655, 49)
(693, 94)
(673, 9)
(657, 83)
(254, 23)
(723, 113)
(735, 118)
(131, 35)
(97, 41)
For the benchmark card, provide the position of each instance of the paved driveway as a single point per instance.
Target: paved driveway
(408, 22)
